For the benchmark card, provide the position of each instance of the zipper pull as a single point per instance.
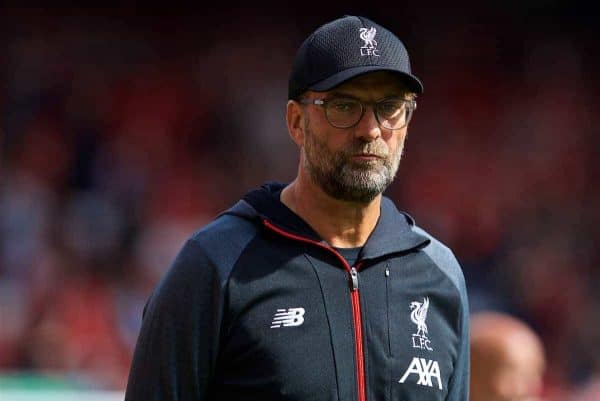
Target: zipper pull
(387, 272)
(354, 277)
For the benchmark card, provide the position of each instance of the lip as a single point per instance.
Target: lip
(367, 156)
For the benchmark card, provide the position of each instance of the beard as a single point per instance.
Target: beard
(344, 178)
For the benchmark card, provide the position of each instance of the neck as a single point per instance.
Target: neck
(342, 224)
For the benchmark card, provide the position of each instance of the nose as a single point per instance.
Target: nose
(368, 128)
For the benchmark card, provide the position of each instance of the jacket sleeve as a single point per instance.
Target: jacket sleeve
(176, 349)
(458, 389)
(443, 257)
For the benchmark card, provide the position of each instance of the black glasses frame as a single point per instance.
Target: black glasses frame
(410, 104)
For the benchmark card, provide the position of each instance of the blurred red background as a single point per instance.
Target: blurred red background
(124, 130)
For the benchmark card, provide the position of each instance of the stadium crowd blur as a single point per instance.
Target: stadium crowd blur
(123, 133)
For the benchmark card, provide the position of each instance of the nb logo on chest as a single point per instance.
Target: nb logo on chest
(288, 318)
(426, 369)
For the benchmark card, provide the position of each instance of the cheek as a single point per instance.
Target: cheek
(323, 147)
(395, 141)
(401, 136)
(335, 142)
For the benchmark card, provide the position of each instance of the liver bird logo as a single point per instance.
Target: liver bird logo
(419, 314)
(368, 36)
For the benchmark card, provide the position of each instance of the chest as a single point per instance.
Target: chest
(297, 328)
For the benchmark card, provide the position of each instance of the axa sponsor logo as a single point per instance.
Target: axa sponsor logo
(418, 317)
(370, 46)
(288, 318)
(426, 370)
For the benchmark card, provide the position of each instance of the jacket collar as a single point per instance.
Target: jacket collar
(264, 203)
(393, 232)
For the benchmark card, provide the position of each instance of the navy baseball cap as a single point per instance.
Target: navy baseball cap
(345, 48)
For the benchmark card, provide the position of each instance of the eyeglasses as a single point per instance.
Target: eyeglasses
(345, 112)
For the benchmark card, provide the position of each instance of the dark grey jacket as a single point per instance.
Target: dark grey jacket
(257, 307)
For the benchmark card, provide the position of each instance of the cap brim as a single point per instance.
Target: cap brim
(331, 82)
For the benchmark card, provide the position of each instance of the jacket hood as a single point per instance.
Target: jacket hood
(393, 232)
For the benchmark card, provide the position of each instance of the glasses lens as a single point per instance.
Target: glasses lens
(343, 112)
(393, 113)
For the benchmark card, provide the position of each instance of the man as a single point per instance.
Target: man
(320, 289)
(507, 358)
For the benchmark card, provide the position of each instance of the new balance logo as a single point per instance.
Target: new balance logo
(288, 317)
(426, 369)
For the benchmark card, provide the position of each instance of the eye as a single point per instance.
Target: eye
(390, 108)
(347, 106)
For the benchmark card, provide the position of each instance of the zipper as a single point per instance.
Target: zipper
(387, 303)
(354, 278)
(358, 335)
(355, 298)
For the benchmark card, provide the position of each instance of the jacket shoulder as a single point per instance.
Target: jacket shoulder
(222, 241)
(225, 229)
(443, 257)
(204, 262)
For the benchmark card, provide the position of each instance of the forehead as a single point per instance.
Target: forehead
(375, 84)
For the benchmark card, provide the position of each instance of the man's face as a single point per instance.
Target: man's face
(519, 377)
(354, 164)
(507, 360)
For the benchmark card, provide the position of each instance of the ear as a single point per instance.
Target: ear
(295, 122)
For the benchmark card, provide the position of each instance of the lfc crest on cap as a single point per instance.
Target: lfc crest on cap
(370, 46)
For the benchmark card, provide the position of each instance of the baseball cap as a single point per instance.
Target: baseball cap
(345, 48)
